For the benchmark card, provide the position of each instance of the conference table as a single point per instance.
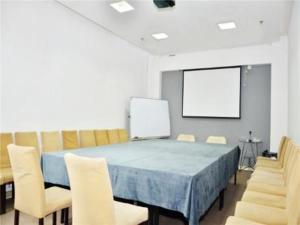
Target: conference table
(177, 176)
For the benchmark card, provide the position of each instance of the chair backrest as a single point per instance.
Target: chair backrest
(87, 138)
(123, 135)
(92, 197)
(28, 180)
(113, 136)
(51, 141)
(27, 139)
(101, 137)
(293, 193)
(288, 169)
(288, 150)
(5, 139)
(280, 147)
(283, 151)
(186, 137)
(70, 139)
(216, 140)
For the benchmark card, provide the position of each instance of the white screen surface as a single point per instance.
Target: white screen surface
(149, 118)
(212, 93)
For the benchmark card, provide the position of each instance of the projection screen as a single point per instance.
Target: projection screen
(212, 92)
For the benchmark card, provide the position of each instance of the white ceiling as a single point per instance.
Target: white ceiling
(191, 25)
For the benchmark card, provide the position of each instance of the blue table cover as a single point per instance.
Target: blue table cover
(180, 176)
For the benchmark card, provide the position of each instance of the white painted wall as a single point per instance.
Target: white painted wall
(61, 71)
(294, 74)
(275, 54)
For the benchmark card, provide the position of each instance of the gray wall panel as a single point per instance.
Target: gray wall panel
(255, 108)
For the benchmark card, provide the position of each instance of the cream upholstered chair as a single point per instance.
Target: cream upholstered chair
(87, 138)
(282, 210)
(280, 152)
(280, 177)
(27, 139)
(275, 215)
(272, 180)
(101, 137)
(70, 139)
(123, 135)
(216, 140)
(51, 141)
(30, 196)
(186, 137)
(113, 136)
(277, 164)
(6, 176)
(271, 199)
(92, 195)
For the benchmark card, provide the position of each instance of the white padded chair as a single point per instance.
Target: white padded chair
(31, 197)
(186, 137)
(92, 197)
(216, 140)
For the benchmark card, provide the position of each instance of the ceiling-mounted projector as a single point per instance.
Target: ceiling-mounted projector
(164, 3)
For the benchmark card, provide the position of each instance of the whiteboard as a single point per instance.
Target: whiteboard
(213, 92)
(149, 118)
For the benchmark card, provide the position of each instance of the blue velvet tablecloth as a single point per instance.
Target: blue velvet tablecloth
(180, 176)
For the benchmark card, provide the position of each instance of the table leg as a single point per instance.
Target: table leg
(242, 155)
(253, 153)
(221, 199)
(2, 199)
(153, 215)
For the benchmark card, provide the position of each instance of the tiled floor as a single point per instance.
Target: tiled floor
(213, 217)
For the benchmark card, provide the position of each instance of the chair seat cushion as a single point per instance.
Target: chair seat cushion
(267, 180)
(270, 170)
(268, 163)
(262, 158)
(262, 173)
(264, 199)
(5, 175)
(127, 214)
(261, 214)
(267, 188)
(57, 199)
(233, 220)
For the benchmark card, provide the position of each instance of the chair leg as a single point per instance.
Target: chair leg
(54, 218)
(13, 190)
(66, 222)
(62, 216)
(235, 178)
(2, 199)
(17, 216)
(41, 221)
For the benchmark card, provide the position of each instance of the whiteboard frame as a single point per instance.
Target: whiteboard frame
(214, 68)
(149, 137)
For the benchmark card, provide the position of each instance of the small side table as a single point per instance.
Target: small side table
(253, 148)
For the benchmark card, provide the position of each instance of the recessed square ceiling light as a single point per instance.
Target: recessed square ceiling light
(122, 6)
(227, 26)
(160, 36)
